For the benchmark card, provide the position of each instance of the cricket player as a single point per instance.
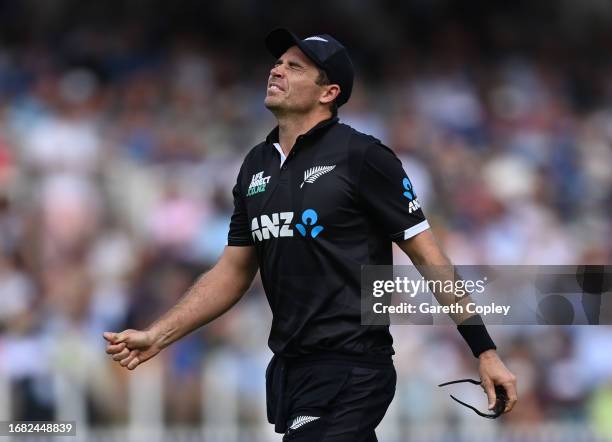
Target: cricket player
(313, 203)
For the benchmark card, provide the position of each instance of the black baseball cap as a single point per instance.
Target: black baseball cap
(324, 50)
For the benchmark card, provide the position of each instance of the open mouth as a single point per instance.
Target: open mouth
(275, 87)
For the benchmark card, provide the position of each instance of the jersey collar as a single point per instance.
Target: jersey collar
(273, 135)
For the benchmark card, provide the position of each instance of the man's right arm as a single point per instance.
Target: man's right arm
(213, 294)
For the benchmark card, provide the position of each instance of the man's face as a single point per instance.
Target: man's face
(292, 83)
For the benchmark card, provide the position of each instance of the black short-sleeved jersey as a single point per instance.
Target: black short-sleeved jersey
(334, 204)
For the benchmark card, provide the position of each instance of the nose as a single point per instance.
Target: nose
(276, 71)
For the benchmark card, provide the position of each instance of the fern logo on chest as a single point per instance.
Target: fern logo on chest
(312, 174)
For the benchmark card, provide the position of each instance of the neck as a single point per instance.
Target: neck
(290, 127)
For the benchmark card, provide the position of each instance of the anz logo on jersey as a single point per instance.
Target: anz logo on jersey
(414, 204)
(278, 225)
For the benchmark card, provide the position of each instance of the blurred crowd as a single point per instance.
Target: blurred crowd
(116, 171)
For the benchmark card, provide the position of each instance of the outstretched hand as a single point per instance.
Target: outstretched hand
(130, 348)
(493, 372)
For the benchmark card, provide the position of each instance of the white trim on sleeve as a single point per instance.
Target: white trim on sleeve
(415, 230)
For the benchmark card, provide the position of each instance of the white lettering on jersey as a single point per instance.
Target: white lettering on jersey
(275, 225)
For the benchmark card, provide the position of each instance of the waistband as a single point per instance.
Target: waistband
(366, 360)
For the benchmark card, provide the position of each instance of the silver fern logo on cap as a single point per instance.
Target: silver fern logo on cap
(311, 175)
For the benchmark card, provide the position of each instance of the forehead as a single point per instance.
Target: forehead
(295, 54)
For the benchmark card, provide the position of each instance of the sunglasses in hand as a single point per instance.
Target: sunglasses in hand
(500, 402)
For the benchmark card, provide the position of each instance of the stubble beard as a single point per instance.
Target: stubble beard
(274, 106)
(281, 109)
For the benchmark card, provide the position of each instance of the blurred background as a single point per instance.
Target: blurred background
(122, 128)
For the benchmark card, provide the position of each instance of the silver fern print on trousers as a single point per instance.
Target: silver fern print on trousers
(302, 420)
(313, 173)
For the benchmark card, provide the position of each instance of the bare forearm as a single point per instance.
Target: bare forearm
(434, 265)
(211, 295)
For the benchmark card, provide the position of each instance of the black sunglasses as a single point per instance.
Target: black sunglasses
(500, 402)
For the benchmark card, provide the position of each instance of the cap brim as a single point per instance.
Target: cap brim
(279, 40)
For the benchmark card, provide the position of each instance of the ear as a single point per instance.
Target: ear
(329, 94)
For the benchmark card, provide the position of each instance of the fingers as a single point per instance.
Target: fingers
(135, 362)
(131, 361)
(114, 349)
(494, 372)
(130, 348)
(110, 337)
(489, 389)
(510, 387)
(120, 351)
(121, 355)
(116, 338)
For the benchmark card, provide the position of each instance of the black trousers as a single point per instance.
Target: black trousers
(328, 400)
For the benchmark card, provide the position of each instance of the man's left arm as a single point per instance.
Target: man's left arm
(423, 250)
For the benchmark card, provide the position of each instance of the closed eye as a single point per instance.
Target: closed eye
(291, 64)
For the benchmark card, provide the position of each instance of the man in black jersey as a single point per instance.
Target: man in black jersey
(313, 203)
